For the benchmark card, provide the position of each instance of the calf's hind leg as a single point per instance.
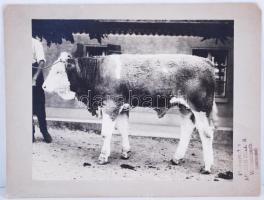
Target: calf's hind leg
(206, 134)
(187, 128)
(123, 125)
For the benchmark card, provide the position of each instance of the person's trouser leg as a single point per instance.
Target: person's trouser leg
(33, 130)
(41, 115)
(39, 108)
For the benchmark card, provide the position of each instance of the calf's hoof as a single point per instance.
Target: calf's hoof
(102, 160)
(177, 161)
(125, 155)
(204, 171)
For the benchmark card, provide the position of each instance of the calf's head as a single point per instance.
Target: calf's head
(57, 80)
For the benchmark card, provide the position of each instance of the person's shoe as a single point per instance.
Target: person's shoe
(47, 137)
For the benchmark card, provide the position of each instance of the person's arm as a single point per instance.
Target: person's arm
(40, 58)
(40, 66)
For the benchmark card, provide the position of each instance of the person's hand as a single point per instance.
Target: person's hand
(34, 82)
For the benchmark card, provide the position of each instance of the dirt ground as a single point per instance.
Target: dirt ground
(73, 156)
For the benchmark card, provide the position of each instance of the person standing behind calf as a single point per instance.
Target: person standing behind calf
(38, 96)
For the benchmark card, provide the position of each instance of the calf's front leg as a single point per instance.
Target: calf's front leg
(123, 125)
(108, 125)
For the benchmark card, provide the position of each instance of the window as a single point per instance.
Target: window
(219, 58)
(95, 50)
(91, 50)
(101, 50)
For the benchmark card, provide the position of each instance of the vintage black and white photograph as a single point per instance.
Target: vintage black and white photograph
(121, 99)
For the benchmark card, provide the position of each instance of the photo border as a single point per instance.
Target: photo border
(247, 35)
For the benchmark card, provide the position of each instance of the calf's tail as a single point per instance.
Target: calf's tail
(213, 117)
(205, 123)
